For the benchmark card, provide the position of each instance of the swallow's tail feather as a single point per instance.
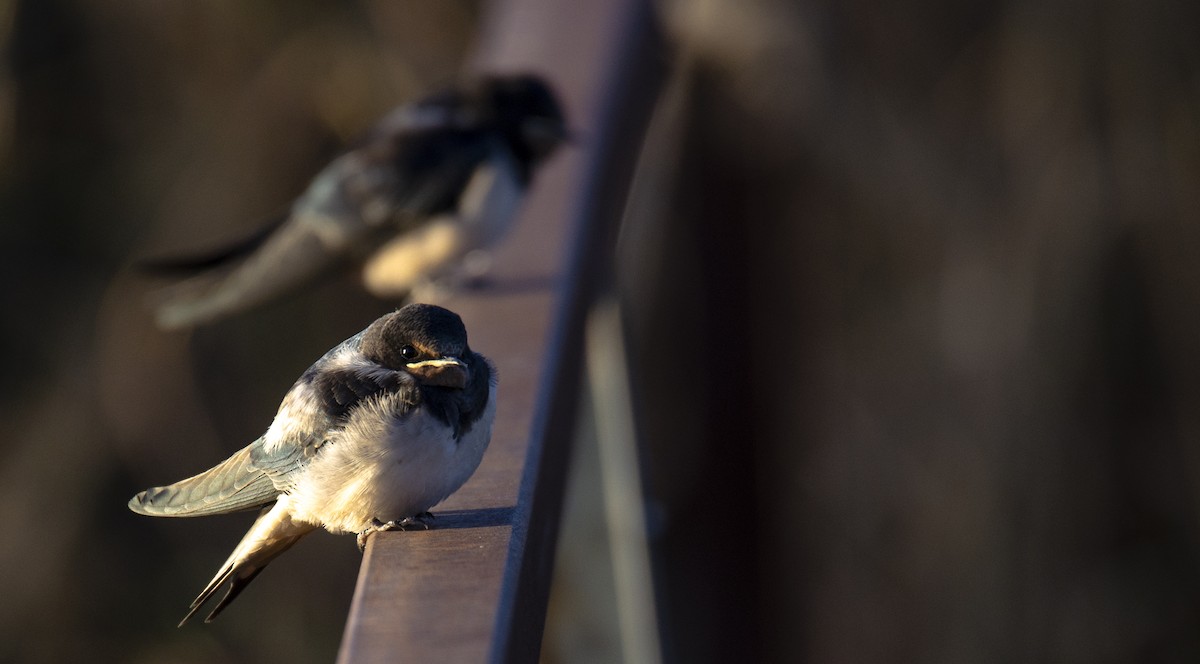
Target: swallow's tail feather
(273, 533)
(301, 251)
(234, 485)
(213, 258)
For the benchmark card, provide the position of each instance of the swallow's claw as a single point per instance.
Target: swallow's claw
(416, 522)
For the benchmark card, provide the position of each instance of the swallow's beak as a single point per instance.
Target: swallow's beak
(446, 372)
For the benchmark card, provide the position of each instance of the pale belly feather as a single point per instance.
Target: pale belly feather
(381, 468)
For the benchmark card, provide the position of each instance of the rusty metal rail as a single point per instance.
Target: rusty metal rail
(474, 588)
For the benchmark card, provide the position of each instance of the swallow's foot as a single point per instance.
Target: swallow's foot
(417, 522)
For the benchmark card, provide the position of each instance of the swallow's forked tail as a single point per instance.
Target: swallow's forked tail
(272, 534)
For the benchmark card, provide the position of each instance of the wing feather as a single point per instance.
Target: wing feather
(234, 485)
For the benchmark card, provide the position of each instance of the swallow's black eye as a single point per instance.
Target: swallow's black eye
(409, 353)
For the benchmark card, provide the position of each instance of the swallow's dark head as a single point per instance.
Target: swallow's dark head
(527, 113)
(423, 339)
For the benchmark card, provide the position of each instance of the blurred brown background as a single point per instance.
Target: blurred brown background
(922, 321)
(913, 321)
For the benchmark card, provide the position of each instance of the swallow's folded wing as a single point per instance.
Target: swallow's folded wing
(236, 484)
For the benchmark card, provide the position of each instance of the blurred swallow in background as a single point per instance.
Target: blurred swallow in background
(431, 182)
(380, 429)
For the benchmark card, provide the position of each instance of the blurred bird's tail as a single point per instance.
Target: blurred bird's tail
(217, 257)
(298, 252)
(272, 534)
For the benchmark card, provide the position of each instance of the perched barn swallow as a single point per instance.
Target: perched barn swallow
(433, 181)
(380, 429)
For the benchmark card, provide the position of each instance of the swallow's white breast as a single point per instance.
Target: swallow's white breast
(383, 467)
